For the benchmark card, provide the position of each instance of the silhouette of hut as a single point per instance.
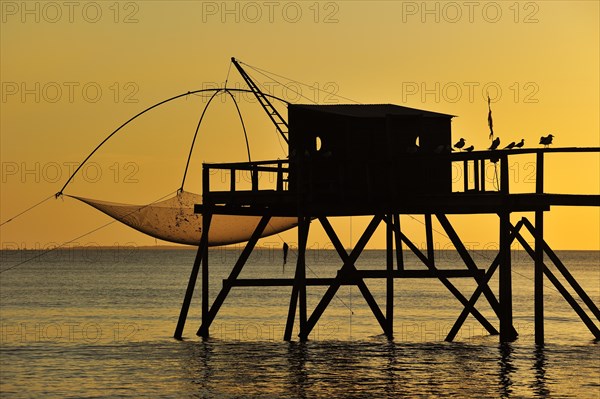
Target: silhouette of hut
(368, 153)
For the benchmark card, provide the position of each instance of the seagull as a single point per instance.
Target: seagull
(460, 144)
(510, 145)
(520, 143)
(546, 141)
(495, 144)
(469, 149)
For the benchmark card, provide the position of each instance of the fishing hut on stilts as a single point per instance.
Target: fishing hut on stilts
(351, 160)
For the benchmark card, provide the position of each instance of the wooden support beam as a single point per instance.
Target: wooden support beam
(484, 322)
(389, 304)
(563, 291)
(398, 241)
(466, 172)
(301, 269)
(482, 175)
(569, 298)
(429, 273)
(538, 274)
(479, 290)
(566, 274)
(205, 272)
(504, 176)
(350, 277)
(185, 306)
(476, 174)
(212, 313)
(349, 261)
(538, 278)
(299, 285)
(507, 331)
(470, 263)
(429, 238)
(289, 325)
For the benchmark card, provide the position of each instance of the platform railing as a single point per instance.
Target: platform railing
(273, 175)
(476, 163)
(262, 175)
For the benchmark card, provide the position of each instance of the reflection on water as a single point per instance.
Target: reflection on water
(506, 369)
(539, 366)
(71, 328)
(385, 369)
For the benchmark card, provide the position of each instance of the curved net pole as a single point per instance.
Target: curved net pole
(187, 164)
(242, 122)
(59, 193)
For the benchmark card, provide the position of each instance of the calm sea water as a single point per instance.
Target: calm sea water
(92, 323)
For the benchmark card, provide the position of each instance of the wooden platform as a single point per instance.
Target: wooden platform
(315, 203)
(285, 204)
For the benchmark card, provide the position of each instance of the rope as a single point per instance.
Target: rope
(227, 77)
(81, 236)
(264, 72)
(281, 84)
(26, 210)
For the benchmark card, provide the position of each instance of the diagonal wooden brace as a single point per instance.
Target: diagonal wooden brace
(235, 272)
(484, 322)
(479, 290)
(345, 272)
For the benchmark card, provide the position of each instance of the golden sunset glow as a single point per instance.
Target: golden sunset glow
(72, 72)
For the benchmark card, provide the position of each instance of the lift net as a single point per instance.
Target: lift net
(174, 220)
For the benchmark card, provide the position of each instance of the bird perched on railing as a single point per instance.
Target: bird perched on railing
(469, 149)
(520, 143)
(495, 144)
(546, 141)
(510, 145)
(460, 144)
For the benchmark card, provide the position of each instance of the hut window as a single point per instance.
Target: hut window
(317, 143)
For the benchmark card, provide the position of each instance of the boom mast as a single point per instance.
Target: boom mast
(276, 118)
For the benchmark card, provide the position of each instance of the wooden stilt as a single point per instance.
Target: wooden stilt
(429, 238)
(209, 316)
(289, 325)
(303, 232)
(299, 287)
(483, 175)
(476, 175)
(398, 241)
(507, 332)
(389, 311)
(185, 306)
(538, 280)
(205, 272)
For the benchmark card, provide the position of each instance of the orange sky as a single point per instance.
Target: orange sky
(71, 73)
